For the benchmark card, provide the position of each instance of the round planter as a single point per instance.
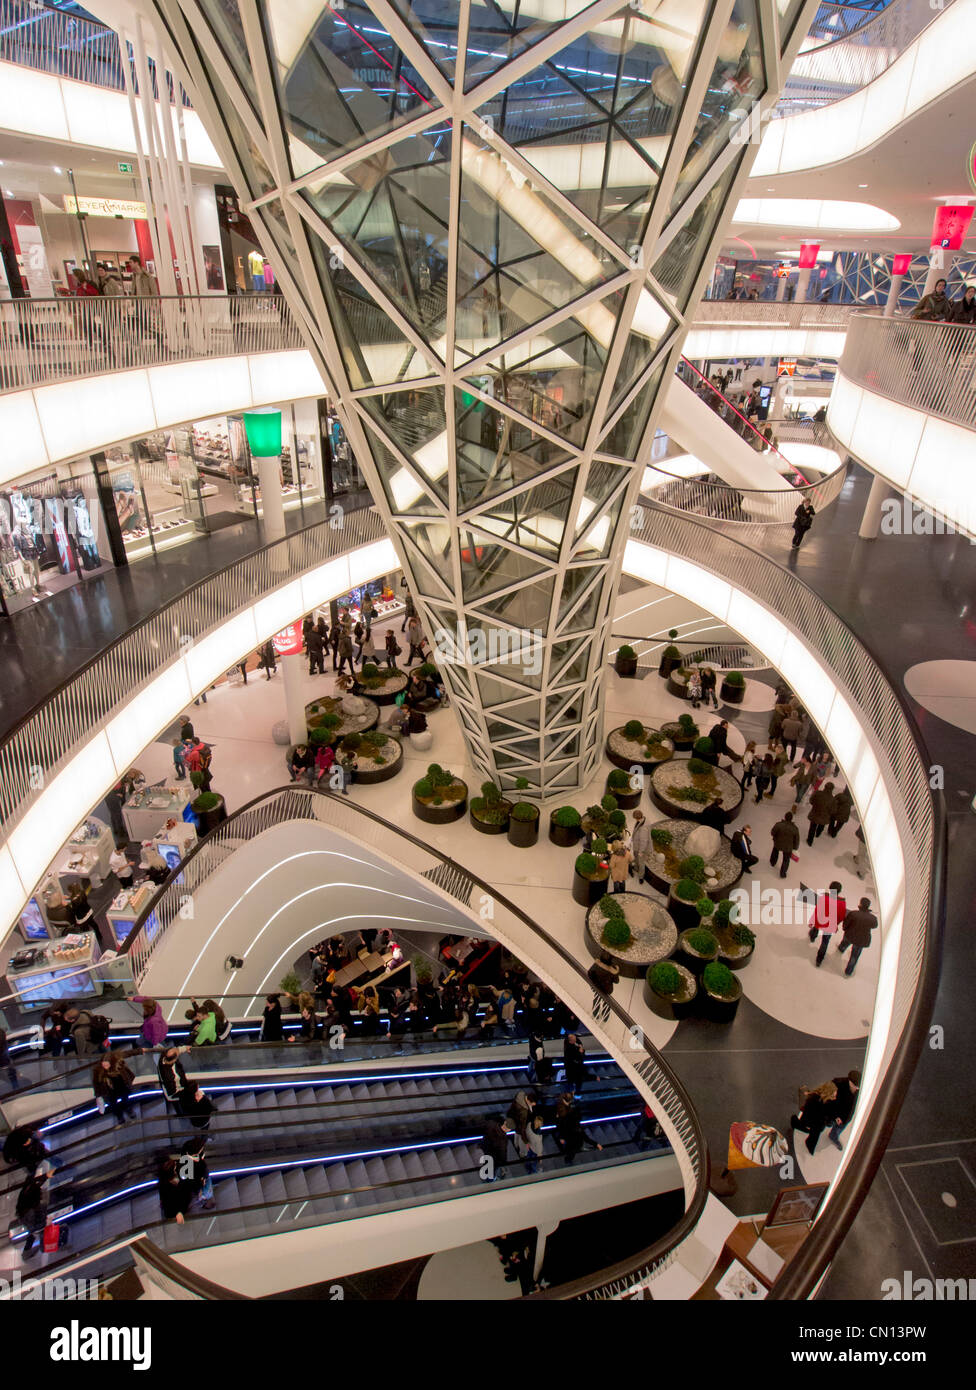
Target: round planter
(395, 684)
(440, 815)
(653, 934)
(718, 1008)
(367, 718)
(737, 961)
(209, 820)
(487, 828)
(625, 754)
(732, 694)
(677, 687)
(625, 666)
(682, 743)
(685, 914)
(676, 771)
(368, 775)
(587, 891)
(565, 835)
(523, 833)
(667, 665)
(728, 868)
(625, 800)
(689, 958)
(669, 1007)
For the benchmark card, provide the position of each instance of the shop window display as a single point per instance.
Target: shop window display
(49, 536)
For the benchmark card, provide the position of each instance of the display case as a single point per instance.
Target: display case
(148, 809)
(125, 908)
(94, 837)
(60, 970)
(169, 528)
(79, 867)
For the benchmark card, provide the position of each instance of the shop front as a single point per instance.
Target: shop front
(51, 535)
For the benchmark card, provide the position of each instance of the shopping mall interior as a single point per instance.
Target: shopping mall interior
(487, 650)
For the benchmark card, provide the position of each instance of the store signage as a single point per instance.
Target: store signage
(950, 226)
(124, 168)
(808, 255)
(900, 264)
(104, 207)
(786, 366)
(288, 642)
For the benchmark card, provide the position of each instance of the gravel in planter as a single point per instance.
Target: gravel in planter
(378, 758)
(653, 933)
(383, 689)
(629, 752)
(664, 871)
(348, 723)
(716, 782)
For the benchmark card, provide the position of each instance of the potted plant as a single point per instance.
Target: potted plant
(670, 657)
(565, 826)
(439, 797)
(523, 825)
(703, 749)
(209, 809)
(378, 756)
(670, 990)
(590, 875)
(490, 811)
(682, 732)
(635, 744)
(697, 948)
(620, 786)
(736, 942)
(678, 682)
(721, 992)
(616, 934)
(733, 688)
(625, 661)
(291, 985)
(382, 687)
(682, 896)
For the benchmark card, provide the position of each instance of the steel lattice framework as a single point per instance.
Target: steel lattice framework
(493, 218)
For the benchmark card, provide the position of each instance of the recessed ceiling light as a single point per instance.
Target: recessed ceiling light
(56, 168)
(862, 185)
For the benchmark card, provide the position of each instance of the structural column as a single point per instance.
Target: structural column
(871, 520)
(899, 269)
(264, 438)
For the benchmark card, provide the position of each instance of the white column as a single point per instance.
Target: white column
(937, 258)
(542, 1233)
(293, 667)
(871, 520)
(894, 290)
(781, 284)
(802, 285)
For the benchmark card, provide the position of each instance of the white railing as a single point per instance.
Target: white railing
(45, 340)
(720, 502)
(771, 313)
(929, 366)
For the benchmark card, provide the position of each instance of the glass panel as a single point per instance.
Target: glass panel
(579, 650)
(677, 268)
(625, 436)
(536, 518)
(404, 493)
(416, 423)
(574, 583)
(486, 568)
(495, 452)
(586, 615)
(599, 536)
(433, 540)
(526, 608)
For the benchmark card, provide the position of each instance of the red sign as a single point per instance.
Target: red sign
(288, 642)
(950, 226)
(900, 264)
(786, 366)
(808, 255)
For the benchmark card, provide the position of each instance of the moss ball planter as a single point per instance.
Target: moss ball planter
(590, 888)
(692, 959)
(625, 662)
(675, 1006)
(208, 816)
(722, 870)
(489, 820)
(383, 690)
(444, 805)
(732, 692)
(523, 830)
(679, 736)
(719, 1007)
(379, 757)
(670, 658)
(653, 933)
(626, 798)
(678, 683)
(715, 783)
(683, 910)
(564, 835)
(317, 718)
(626, 752)
(736, 955)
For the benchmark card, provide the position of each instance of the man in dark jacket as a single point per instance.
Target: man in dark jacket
(821, 810)
(786, 841)
(742, 848)
(719, 734)
(344, 652)
(847, 1089)
(802, 521)
(494, 1146)
(315, 646)
(841, 813)
(858, 926)
(31, 1208)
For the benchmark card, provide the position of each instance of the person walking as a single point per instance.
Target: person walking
(749, 763)
(367, 649)
(415, 636)
(112, 1084)
(786, 841)
(537, 1052)
(358, 633)
(409, 607)
(179, 760)
(827, 918)
(603, 975)
(344, 652)
(802, 521)
(858, 926)
(31, 1208)
(23, 1148)
(574, 1062)
(741, 847)
(570, 1135)
(176, 1194)
(367, 611)
(841, 812)
(861, 860)
(494, 1146)
(393, 649)
(780, 763)
(843, 1107)
(709, 683)
(802, 779)
(267, 661)
(172, 1078)
(154, 1027)
(815, 1113)
(315, 647)
(640, 845)
(620, 862)
(821, 810)
(936, 306)
(695, 688)
(790, 733)
(764, 775)
(335, 632)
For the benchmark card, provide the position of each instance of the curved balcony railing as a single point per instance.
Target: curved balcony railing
(47, 340)
(773, 313)
(509, 924)
(928, 366)
(918, 822)
(742, 506)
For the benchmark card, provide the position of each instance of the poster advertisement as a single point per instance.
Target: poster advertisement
(127, 507)
(213, 268)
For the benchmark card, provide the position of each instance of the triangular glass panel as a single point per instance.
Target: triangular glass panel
(522, 665)
(534, 519)
(404, 493)
(569, 660)
(681, 261)
(625, 436)
(390, 213)
(431, 541)
(526, 608)
(599, 536)
(557, 776)
(574, 582)
(565, 708)
(516, 761)
(495, 692)
(526, 713)
(489, 568)
(602, 481)
(416, 423)
(495, 452)
(336, 87)
(584, 618)
(649, 325)
(560, 745)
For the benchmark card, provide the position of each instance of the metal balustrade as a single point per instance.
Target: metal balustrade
(48, 737)
(773, 313)
(46, 340)
(742, 506)
(929, 366)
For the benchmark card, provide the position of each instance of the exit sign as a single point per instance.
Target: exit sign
(125, 168)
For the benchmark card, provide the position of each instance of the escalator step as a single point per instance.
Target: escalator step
(286, 1096)
(317, 1178)
(274, 1187)
(116, 1221)
(251, 1191)
(226, 1194)
(295, 1184)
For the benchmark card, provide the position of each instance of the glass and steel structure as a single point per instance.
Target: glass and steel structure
(492, 221)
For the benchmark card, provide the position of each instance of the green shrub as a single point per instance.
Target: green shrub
(599, 846)
(672, 633)
(525, 811)
(734, 678)
(664, 978)
(370, 671)
(741, 935)
(521, 784)
(352, 743)
(428, 670)
(290, 984)
(693, 867)
(687, 890)
(703, 747)
(608, 803)
(317, 737)
(586, 865)
(423, 788)
(491, 793)
(726, 911)
(686, 722)
(567, 817)
(627, 653)
(438, 776)
(697, 768)
(705, 907)
(619, 780)
(718, 979)
(698, 794)
(206, 801)
(672, 653)
(330, 720)
(660, 837)
(702, 941)
(616, 933)
(618, 819)
(610, 907)
(633, 730)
